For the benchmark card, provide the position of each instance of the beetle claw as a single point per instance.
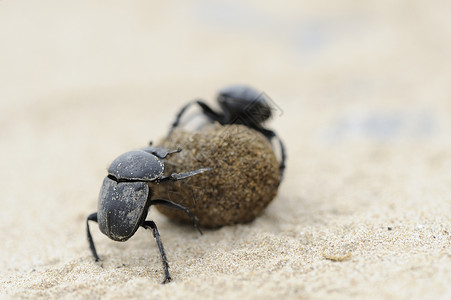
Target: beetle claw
(167, 280)
(99, 263)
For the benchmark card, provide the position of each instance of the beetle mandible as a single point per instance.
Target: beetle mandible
(240, 104)
(126, 196)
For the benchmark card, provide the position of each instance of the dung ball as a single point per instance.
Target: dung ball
(243, 180)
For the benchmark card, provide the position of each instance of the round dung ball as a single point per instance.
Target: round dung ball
(243, 180)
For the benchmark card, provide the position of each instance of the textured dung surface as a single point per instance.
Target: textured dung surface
(243, 180)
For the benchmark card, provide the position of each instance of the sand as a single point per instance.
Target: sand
(362, 101)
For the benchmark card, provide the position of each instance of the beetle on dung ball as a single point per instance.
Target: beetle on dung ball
(126, 197)
(236, 150)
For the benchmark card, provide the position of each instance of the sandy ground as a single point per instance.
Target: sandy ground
(362, 97)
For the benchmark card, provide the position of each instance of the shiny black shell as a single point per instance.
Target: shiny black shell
(122, 207)
(244, 102)
(136, 165)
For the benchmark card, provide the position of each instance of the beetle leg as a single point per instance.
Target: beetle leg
(91, 217)
(156, 235)
(174, 205)
(161, 152)
(206, 110)
(283, 157)
(179, 176)
(269, 134)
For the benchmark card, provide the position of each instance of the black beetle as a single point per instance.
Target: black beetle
(240, 104)
(125, 197)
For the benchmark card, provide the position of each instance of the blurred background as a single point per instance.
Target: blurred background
(360, 86)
